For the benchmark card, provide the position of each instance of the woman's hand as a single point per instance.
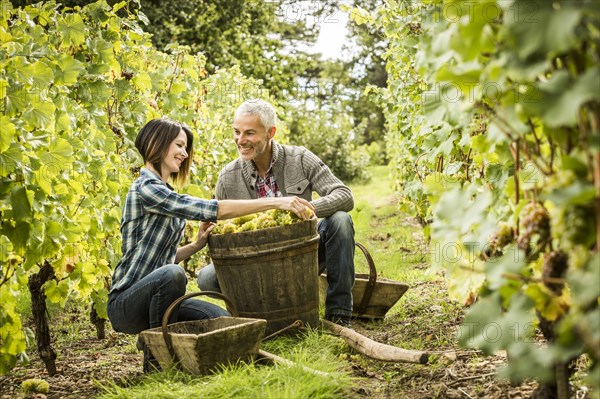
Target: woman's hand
(299, 206)
(188, 250)
(203, 233)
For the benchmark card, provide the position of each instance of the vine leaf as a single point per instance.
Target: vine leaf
(511, 263)
(21, 200)
(7, 132)
(57, 292)
(40, 115)
(59, 152)
(6, 248)
(42, 74)
(550, 306)
(72, 28)
(559, 99)
(541, 31)
(578, 193)
(18, 234)
(68, 70)
(487, 327)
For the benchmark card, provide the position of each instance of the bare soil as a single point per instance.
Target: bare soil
(82, 363)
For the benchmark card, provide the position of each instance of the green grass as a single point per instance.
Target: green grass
(394, 240)
(252, 380)
(236, 381)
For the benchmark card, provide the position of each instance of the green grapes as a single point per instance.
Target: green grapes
(502, 237)
(249, 226)
(284, 218)
(573, 226)
(256, 221)
(534, 220)
(35, 385)
(226, 228)
(242, 219)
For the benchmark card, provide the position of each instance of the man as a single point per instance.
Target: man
(266, 168)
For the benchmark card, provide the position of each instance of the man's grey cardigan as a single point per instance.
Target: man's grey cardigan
(297, 172)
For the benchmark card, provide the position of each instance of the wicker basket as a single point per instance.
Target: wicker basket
(372, 296)
(200, 346)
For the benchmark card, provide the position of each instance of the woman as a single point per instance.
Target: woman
(148, 279)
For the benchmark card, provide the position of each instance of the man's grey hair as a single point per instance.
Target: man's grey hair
(265, 111)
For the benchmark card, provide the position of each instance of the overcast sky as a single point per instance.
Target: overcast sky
(332, 24)
(332, 35)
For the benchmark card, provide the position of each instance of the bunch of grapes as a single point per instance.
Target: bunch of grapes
(534, 220)
(574, 225)
(501, 238)
(257, 221)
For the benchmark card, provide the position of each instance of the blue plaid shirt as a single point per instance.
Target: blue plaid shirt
(152, 227)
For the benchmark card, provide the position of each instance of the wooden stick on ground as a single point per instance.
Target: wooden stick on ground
(374, 349)
(276, 359)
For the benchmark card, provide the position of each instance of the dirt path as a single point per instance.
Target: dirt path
(428, 320)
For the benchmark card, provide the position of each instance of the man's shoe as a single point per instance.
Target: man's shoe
(343, 321)
(140, 343)
(150, 363)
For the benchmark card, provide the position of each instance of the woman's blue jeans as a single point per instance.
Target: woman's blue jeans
(143, 305)
(336, 251)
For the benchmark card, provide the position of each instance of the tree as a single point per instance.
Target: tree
(262, 38)
(369, 69)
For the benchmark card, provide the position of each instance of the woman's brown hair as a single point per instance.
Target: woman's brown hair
(153, 142)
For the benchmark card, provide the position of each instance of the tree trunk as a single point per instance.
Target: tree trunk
(98, 322)
(555, 266)
(562, 372)
(38, 308)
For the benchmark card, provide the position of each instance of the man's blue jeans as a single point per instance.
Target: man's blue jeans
(143, 305)
(336, 250)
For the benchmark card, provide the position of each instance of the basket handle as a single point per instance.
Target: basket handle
(370, 284)
(165, 320)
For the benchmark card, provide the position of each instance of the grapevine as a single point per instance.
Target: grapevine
(75, 88)
(492, 124)
(554, 267)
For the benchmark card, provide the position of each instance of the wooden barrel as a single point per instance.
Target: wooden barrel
(270, 274)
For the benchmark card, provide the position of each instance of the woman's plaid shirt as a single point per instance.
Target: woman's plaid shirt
(152, 227)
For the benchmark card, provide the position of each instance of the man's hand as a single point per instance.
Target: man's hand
(300, 206)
